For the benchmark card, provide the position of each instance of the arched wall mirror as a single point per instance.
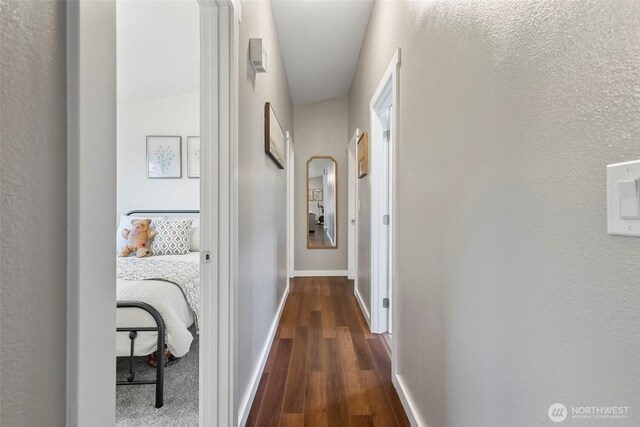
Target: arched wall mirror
(322, 203)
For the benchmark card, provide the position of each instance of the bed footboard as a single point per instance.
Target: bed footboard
(133, 333)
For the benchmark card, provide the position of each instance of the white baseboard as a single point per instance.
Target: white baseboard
(363, 307)
(321, 273)
(250, 394)
(407, 402)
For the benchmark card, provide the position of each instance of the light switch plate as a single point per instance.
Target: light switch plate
(623, 179)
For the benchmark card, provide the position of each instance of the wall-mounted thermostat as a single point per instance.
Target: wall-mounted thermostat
(623, 199)
(257, 55)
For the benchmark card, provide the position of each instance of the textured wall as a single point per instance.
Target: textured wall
(33, 213)
(263, 194)
(320, 130)
(512, 296)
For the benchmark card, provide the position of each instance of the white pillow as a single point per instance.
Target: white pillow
(172, 237)
(125, 222)
(194, 246)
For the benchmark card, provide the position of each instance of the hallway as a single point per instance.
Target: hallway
(325, 368)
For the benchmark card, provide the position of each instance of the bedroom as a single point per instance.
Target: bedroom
(158, 202)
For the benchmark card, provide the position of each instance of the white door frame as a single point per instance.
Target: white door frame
(219, 26)
(352, 192)
(380, 271)
(91, 199)
(290, 207)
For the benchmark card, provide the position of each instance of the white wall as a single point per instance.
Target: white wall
(158, 94)
(262, 200)
(321, 130)
(175, 115)
(33, 212)
(512, 296)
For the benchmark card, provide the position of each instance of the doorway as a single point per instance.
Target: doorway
(383, 150)
(353, 207)
(91, 98)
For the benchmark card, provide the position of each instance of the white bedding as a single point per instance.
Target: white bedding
(170, 302)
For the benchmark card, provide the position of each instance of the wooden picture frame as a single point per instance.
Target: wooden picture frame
(363, 155)
(274, 138)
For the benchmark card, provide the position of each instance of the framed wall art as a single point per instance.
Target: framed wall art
(363, 155)
(193, 157)
(164, 156)
(274, 138)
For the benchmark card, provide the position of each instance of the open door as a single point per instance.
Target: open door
(353, 205)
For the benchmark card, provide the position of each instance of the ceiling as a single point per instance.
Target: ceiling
(158, 49)
(320, 42)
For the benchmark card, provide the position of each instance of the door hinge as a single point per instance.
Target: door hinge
(206, 257)
(386, 220)
(385, 302)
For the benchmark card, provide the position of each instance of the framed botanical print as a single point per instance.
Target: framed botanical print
(363, 155)
(193, 157)
(317, 195)
(164, 156)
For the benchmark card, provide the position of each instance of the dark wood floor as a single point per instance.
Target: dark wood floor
(319, 238)
(325, 368)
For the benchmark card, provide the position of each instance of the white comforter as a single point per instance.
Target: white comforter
(170, 302)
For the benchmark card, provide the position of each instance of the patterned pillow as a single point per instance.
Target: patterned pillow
(172, 237)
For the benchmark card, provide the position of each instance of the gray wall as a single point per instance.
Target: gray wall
(320, 130)
(33, 213)
(263, 198)
(512, 296)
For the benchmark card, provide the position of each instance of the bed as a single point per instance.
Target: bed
(157, 301)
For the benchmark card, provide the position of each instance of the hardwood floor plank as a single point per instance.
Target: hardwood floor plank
(362, 421)
(289, 319)
(292, 420)
(257, 400)
(297, 374)
(356, 397)
(361, 319)
(337, 411)
(363, 353)
(325, 368)
(315, 304)
(328, 319)
(336, 303)
(271, 405)
(272, 356)
(315, 410)
(314, 361)
(383, 364)
(383, 415)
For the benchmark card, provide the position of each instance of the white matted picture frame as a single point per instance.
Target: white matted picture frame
(193, 156)
(164, 156)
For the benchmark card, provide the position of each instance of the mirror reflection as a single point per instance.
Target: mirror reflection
(322, 207)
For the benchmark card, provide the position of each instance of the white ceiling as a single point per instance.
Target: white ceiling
(158, 51)
(320, 42)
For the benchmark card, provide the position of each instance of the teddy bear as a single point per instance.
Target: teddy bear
(137, 238)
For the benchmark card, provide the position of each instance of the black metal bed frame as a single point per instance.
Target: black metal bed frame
(133, 334)
(159, 329)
